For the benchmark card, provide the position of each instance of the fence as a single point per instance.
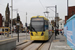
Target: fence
(69, 32)
(4, 32)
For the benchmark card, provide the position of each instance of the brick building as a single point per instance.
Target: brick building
(71, 11)
(0, 20)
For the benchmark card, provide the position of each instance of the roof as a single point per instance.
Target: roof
(40, 17)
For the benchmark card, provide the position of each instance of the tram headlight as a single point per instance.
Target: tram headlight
(32, 34)
(42, 34)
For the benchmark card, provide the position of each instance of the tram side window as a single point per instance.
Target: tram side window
(46, 25)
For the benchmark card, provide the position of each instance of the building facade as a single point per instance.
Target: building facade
(0, 20)
(61, 24)
(7, 14)
(71, 11)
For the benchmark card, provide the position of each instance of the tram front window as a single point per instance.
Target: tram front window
(38, 26)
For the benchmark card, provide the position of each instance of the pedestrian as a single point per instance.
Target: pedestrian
(55, 33)
(62, 32)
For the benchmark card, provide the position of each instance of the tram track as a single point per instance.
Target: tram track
(35, 45)
(22, 46)
(46, 45)
(40, 45)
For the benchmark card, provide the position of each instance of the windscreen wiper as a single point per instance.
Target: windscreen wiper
(33, 29)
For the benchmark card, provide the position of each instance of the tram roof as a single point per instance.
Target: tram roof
(40, 17)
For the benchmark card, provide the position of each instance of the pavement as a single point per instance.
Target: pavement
(21, 42)
(22, 38)
(60, 43)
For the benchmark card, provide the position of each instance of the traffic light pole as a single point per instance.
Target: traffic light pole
(26, 25)
(18, 20)
(18, 30)
(11, 16)
(18, 33)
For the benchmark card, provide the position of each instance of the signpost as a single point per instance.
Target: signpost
(18, 30)
(18, 23)
(26, 31)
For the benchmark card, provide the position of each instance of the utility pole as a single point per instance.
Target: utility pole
(11, 16)
(55, 15)
(67, 10)
(26, 25)
(55, 20)
(18, 23)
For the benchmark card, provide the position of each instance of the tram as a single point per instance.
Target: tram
(39, 28)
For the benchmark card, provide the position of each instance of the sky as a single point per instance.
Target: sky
(36, 7)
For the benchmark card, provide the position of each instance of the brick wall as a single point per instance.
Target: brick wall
(0, 20)
(65, 19)
(71, 12)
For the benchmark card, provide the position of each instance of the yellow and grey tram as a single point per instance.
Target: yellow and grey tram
(39, 28)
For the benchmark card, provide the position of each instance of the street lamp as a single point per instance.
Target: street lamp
(18, 23)
(26, 25)
(67, 9)
(11, 16)
(46, 12)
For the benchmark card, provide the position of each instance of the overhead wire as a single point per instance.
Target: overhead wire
(52, 9)
(44, 7)
(41, 4)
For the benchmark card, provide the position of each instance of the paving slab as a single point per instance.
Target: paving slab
(60, 43)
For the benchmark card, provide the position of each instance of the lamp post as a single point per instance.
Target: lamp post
(46, 13)
(67, 9)
(26, 25)
(18, 23)
(11, 16)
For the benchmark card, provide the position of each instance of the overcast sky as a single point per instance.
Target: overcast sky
(36, 7)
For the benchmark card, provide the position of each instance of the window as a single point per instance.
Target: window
(38, 26)
(46, 25)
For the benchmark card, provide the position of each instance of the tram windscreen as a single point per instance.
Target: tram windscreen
(37, 25)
